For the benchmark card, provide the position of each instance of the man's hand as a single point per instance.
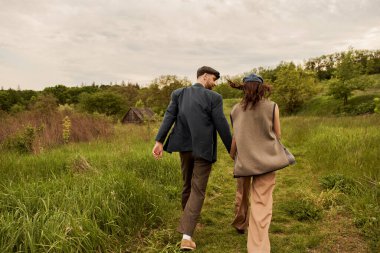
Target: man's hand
(157, 150)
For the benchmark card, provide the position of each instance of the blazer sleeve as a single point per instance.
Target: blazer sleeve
(169, 118)
(220, 122)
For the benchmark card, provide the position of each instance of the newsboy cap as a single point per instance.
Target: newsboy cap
(253, 78)
(208, 70)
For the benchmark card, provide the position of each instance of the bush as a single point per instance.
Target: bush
(293, 87)
(44, 131)
(25, 141)
(362, 108)
(357, 106)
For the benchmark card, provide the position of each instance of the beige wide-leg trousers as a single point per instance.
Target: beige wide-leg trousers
(260, 188)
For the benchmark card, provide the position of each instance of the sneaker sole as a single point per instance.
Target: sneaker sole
(187, 249)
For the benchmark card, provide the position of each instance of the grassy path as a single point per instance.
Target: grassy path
(327, 202)
(333, 231)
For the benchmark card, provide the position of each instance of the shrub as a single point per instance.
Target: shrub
(51, 130)
(293, 87)
(26, 140)
(362, 108)
(66, 126)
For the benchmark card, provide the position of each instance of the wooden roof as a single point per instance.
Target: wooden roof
(142, 113)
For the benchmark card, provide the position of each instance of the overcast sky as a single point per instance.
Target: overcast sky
(48, 42)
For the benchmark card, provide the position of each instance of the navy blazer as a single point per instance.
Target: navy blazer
(197, 113)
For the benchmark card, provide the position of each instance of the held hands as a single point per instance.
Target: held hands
(157, 150)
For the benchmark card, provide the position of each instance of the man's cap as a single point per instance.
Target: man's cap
(208, 70)
(253, 78)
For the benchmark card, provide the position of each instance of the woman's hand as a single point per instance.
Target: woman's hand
(233, 149)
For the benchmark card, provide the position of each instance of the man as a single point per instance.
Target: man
(197, 112)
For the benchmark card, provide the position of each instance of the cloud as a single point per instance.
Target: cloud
(46, 42)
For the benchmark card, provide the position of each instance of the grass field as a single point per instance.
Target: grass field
(327, 202)
(112, 196)
(98, 196)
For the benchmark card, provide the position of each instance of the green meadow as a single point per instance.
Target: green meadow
(327, 202)
(73, 179)
(100, 196)
(112, 196)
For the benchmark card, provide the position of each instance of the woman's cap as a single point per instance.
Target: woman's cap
(253, 78)
(208, 70)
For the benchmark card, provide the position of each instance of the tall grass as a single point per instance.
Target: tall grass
(107, 195)
(45, 129)
(345, 155)
(348, 145)
(47, 204)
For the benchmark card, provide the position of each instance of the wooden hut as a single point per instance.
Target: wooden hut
(138, 115)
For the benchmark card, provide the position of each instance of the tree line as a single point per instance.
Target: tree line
(111, 100)
(325, 66)
(293, 84)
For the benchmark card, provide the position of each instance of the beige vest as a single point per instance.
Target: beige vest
(258, 150)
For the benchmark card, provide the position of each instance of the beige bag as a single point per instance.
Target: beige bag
(248, 172)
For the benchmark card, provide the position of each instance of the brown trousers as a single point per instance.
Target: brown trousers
(195, 174)
(258, 190)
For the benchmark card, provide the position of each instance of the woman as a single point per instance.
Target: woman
(256, 124)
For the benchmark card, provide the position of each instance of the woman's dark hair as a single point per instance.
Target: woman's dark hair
(253, 92)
